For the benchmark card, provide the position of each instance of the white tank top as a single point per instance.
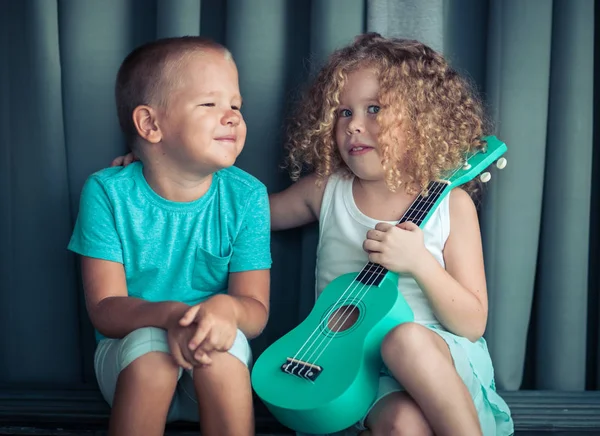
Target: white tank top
(342, 230)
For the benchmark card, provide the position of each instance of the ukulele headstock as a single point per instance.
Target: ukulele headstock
(479, 161)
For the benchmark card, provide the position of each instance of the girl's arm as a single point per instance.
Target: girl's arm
(297, 205)
(458, 294)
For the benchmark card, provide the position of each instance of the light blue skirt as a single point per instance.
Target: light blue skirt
(474, 366)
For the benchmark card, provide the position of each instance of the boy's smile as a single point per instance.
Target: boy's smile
(202, 128)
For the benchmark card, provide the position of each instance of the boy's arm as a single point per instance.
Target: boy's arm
(111, 311)
(297, 205)
(249, 297)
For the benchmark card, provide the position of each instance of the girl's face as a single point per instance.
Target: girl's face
(356, 127)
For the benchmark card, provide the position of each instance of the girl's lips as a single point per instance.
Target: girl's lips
(357, 149)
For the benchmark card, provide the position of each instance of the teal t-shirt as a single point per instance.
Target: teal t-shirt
(174, 251)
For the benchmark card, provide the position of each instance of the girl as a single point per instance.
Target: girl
(383, 118)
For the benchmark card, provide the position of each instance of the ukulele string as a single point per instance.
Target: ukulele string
(352, 288)
(409, 217)
(440, 186)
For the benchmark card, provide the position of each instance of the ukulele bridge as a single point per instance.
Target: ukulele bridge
(301, 369)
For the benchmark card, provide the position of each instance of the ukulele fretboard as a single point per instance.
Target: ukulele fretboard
(372, 274)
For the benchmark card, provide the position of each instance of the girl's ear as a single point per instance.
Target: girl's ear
(145, 121)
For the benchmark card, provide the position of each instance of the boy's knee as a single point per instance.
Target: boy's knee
(145, 356)
(155, 371)
(140, 342)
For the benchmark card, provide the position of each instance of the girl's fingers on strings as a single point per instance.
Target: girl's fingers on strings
(375, 235)
(408, 225)
(383, 227)
(371, 246)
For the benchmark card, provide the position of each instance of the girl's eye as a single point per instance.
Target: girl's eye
(373, 109)
(208, 104)
(345, 113)
(235, 108)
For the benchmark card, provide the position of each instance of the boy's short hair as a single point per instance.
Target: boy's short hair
(150, 71)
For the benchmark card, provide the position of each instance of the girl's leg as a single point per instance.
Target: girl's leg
(224, 397)
(421, 362)
(397, 415)
(143, 395)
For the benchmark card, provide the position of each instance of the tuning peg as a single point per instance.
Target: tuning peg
(501, 163)
(466, 166)
(485, 177)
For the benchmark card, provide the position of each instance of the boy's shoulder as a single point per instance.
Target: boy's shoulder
(115, 174)
(111, 181)
(239, 180)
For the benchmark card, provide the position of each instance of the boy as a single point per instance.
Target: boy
(176, 247)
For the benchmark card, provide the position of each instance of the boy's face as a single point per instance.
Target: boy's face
(202, 127)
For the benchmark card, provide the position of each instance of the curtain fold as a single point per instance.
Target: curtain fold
(517, 89)
(38, 284)
(562, 286)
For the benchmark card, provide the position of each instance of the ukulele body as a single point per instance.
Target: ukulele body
(333, 377)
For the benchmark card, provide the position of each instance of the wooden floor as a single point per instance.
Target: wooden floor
(30, 431)
(83, 413)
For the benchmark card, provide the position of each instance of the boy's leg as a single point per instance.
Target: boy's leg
(224, 397)
(137, 377)
(221, 393)
(144, 393)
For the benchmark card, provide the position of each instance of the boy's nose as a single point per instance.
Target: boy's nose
(231, 117)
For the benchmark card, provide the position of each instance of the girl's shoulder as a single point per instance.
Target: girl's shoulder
(462, 211)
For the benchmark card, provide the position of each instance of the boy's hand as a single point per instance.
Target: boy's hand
(178, 337)
(124, 160)
(216, 327)
(398, 248)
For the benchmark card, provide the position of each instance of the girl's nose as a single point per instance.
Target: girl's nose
(355, 126)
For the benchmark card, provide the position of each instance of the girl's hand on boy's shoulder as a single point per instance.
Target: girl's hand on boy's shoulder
(398, 248)
(123, 161)
(215, 327)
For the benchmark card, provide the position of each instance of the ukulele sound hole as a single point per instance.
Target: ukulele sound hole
(343, 318)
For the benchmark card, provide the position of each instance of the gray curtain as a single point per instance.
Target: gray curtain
(533, 61)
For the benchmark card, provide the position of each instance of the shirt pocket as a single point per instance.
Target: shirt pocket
(211, 272)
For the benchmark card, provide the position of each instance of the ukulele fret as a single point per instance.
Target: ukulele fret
(372, 274)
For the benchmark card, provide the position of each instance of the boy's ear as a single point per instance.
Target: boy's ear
(145, 121)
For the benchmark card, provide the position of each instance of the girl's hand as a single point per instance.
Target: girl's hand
(398, 248)
(124, 160)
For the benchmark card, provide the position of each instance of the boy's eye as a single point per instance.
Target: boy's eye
(235, 108)
(345, 113)
(208, 104)
(373, 109)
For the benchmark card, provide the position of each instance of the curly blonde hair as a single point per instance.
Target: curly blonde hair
(422, 100)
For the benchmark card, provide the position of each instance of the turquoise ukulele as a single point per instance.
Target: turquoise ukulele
(323, 376)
